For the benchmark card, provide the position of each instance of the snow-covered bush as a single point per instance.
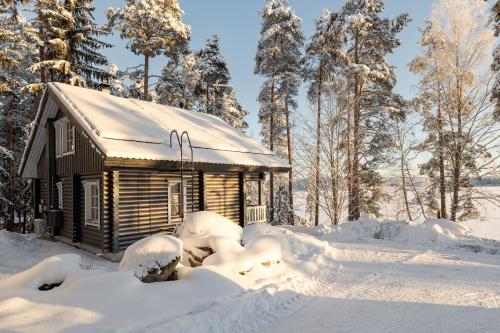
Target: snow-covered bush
(433, 232)
(153, 259)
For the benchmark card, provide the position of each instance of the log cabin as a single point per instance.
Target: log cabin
(107, 171)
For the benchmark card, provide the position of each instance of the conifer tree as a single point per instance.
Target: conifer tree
(214, 75)
(278, 61)
(366, 39)
(232, 111)
(17, 107)
(84, 44)
(178, 81)
(153, 27)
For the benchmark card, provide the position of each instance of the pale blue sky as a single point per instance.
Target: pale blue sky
(237, 23)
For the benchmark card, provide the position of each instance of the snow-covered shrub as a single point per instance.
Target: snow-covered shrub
(204, 233)
(52, 271)
(153, 259)
(432, 232)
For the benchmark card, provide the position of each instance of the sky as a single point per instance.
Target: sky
(237, 23)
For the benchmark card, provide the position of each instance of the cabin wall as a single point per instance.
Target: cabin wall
(69, 216)
(141, 206)
(222, 194)
(88, 234)
(84, 160)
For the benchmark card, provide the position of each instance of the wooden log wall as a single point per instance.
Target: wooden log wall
(222, 193)
(141, 208)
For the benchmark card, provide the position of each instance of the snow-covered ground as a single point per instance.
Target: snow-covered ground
(364, 276)
(487, 226)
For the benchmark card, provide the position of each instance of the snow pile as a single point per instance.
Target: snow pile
(235, 258)
(213, 240)
(204, 233)
(151, 255)
(53, 270)
(433, 232)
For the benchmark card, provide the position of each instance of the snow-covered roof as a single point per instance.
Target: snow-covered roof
(135, 129)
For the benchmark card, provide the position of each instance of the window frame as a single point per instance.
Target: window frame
(182, 197)
(59, 186)
(62, 127)
(87, 185)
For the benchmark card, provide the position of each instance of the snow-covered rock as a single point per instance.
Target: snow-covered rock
(204, 233)
(153, 258)
(51, 271)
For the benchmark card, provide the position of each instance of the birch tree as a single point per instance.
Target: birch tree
(470, 134)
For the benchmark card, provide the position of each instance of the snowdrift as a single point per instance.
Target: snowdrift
(433, 232)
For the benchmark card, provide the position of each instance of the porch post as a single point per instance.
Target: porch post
(243, 206)
(261, 178)
(36, 197)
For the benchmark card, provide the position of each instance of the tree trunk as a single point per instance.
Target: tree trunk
(271, 147)
(10, 163)
(417, 195)
(146, 76)
(405, 194)
(457, 163)
(41, 48)
(318, 146)
(356, 182)
(289, 148)
(442, 184)
(208, 99)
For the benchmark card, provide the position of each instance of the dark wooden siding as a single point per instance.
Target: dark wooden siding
(141, 208)
(222, 194)
(84, 160)
(68, 207)
(42, 174)
(91, 235)
(107, 210)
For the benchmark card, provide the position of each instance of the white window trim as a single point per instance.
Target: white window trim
(171, 182)
(59, 195)
(87, 193)
(61, 136)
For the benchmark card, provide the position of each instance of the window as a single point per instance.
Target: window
(176, 198)
(65, 137)
(92, 212)
(59, 194)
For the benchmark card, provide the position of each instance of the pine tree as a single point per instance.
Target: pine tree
(84, 44)
(54, 23)
(178, 81)
(277, 59)
(152, 27)
(214, 75)
(232, 111)
(17, 54)
(320, 63)
(365, 41)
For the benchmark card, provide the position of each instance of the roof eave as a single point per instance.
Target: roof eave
(118, 162)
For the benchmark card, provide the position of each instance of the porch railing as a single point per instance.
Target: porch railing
(256, 214)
